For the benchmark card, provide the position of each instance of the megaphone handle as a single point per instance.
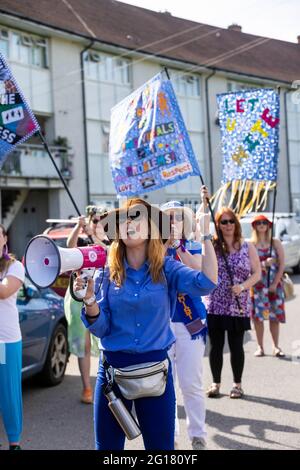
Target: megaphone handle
(80, 293)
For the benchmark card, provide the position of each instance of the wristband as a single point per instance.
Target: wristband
(203, 238)
(92, 317)
(176, 244)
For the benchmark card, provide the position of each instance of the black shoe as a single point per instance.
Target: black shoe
(15, 447)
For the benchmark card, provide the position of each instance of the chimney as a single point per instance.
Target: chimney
(235, 27)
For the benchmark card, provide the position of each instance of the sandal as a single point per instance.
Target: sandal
(236, 392)
(259, 352)
(278, 353)
(213, 391)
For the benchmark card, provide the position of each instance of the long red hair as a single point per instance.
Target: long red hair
(155, 250)
(237, 236)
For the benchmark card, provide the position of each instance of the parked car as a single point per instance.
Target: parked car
(287, 230)
(44, 332)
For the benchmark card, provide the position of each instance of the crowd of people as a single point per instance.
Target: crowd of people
(150, 313)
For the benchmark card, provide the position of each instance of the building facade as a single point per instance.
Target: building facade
(72, 79)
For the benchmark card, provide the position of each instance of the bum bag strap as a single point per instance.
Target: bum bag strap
(109, 372)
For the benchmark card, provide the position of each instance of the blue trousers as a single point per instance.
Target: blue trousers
(11, 389)
(156, 415)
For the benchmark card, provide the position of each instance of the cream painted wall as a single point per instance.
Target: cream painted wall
(68, 117)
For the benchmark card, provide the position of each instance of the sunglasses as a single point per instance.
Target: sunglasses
(262, 222)
(227, 221)
(125, 217)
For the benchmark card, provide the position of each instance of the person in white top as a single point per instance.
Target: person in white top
(11, 279)
(189, 321)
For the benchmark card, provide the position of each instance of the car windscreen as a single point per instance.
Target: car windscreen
(61, 242)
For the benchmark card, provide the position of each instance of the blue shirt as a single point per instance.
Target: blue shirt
(135, 318)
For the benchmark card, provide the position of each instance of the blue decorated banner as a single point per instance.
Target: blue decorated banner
(17, 122)
(249, 123)
(149, 146)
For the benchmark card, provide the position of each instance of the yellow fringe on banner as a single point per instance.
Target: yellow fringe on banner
(261, 187)
(245, 197)
(239, 190)
(234, 191)
(263, 202)
(220, 195)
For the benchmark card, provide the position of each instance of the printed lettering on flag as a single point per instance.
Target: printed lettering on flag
(17, 121)
(149, 145)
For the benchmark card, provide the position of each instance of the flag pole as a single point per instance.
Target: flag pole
(58, 172)
(61, 177)
(167, 73)
(272, 232)
(273, 211)
(217, 230)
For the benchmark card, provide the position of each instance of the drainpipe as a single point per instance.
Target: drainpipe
(211, 180)
(86, 150)
(288, 151)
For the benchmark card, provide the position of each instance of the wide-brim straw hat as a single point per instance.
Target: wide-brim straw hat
(161, 220)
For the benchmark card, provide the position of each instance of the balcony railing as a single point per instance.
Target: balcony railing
(32, 161)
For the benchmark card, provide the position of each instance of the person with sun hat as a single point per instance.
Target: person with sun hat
(268, 294)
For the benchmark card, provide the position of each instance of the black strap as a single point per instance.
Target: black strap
(108, 372)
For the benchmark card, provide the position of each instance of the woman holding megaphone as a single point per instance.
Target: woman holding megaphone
(81, 343)
(131, 313)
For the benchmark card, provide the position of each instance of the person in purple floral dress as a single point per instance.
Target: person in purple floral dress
(229, 306)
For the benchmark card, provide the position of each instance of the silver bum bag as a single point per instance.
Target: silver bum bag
(142, 380)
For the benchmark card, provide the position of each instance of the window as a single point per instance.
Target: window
(39, 53)
(293, 119)
(27, 49)
(4, 42)
(238, 86)
(185, 84)
(106, 68)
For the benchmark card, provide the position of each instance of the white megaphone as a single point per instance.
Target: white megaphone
(45, 261)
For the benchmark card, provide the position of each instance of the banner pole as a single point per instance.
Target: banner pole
(62, 179)
(272, 232)
(58, 172)
(273, 212)
(167, 73)
(222, 249)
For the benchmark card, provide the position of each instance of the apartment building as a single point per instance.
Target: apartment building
(76, 59)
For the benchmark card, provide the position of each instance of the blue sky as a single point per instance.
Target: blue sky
(278, 19)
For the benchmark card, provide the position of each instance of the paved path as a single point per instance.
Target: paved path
(267, 418)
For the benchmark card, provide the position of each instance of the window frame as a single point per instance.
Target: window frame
(21, 39)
